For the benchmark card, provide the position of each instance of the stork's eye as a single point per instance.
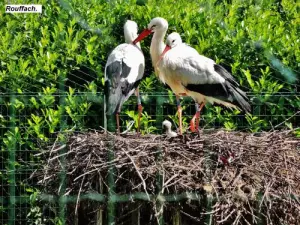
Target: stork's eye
(153, 26)
(173, 41)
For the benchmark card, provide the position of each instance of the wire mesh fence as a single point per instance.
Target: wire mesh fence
(25, 138)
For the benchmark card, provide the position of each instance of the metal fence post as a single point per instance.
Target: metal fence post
(159, 110)
(100, 211)
(159, 177)
(135, 215)
(104, 114)
(209, 203)
(62, 197)
(176, 219)
(260, 219)
(12, 159)
(208, 195)
(111, 209)
(111, 185)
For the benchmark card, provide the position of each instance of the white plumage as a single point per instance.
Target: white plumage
(158, 26)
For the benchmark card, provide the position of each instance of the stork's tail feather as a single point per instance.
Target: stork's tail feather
(111, 109)
(240, 98)
(112, 100)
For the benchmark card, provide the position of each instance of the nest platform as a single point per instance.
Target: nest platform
(248, 178)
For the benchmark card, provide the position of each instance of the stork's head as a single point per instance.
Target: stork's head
(167, 125)
(157, 24)
(130, 31)
(173, 40)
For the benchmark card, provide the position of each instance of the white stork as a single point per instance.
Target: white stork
(123, 72)
(189, 73)
(159, 26)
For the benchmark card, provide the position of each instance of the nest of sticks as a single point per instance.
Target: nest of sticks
(252, 177)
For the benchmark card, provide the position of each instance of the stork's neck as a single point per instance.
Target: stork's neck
(157, 45)
(130, 37)
(168, 130)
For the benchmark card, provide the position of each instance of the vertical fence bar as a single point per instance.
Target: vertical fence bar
(159, 177)
(259, 209)
(208, 195)
(176, 220)
(62, 190)
(100, 219)
(159, 110)
(11, 163)
(209, 217)
(100, 211)
(111, 209)
(104, 112)
(135, 215)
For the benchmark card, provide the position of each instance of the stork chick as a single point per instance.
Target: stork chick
(167, 125)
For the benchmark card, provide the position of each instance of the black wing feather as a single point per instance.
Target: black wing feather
(228, 91)
(115, 89)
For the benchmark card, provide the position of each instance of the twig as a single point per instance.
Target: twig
(285, 120)
(237, 218)
(227, 217)
(58, 156)
(267, 188)
(190, 216)
(78, 196)
(138, 172)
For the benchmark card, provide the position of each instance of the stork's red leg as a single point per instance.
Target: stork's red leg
(193, 121)
(194, 124)
(179, 109)
(198, 115)
(140, 109)
(118, 122)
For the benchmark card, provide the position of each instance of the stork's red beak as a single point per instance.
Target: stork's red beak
(167, 48)
(142, 35)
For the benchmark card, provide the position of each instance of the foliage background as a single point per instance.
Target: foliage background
(51, 71)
